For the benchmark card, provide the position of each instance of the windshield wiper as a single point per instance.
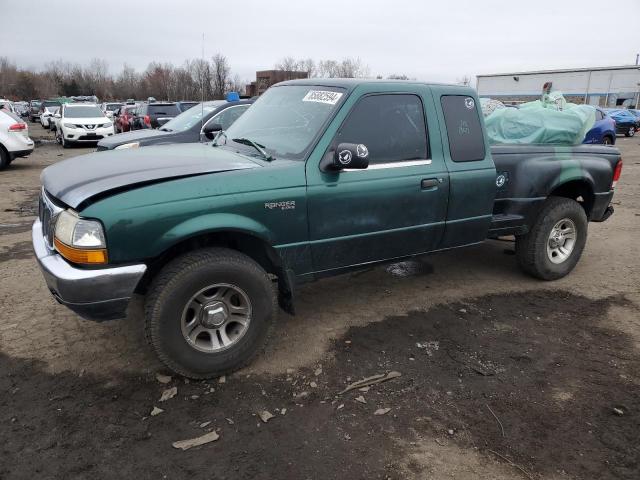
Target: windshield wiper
(257, 146)
(164, 129)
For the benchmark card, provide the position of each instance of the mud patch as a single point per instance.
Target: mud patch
(17, 251)
(29, 206)
(72, 425)
(11, 228)
(409, 268)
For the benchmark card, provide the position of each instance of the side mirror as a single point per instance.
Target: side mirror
(350, 155)
(57, 115)
(211, 129)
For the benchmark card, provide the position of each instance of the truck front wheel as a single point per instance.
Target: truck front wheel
(556, 240)
(209, 312)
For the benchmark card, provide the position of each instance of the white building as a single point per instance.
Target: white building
(604, 86)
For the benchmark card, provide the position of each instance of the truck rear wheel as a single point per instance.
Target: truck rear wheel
(209, 312)
(556, 240)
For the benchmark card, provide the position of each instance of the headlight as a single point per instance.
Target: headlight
(69, 125)
(107, 125)
(128, 145)
(80, 240)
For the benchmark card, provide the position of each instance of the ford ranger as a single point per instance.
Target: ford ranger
(316, 178)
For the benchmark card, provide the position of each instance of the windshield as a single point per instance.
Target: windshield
(51, 103)
(83, 112)
(188, 119)
(111, 107)
(163, 109)
(286, 120)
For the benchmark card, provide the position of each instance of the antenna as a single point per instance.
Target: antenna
(202, 87)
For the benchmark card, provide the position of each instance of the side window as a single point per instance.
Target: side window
(466, 141)
(391, 126)
(599, 115)
(228, 116)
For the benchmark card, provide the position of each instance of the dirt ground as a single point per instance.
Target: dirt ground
(502, 376)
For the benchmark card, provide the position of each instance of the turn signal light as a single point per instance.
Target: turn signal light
(616, 174)
(81, 255)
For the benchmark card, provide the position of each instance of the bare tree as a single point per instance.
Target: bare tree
(98, 79)
(237, 84)
(202, 75)
(290, 64)
(221, 75)
(346, 68)
(157, 80)
(194, 80)
(397, 77)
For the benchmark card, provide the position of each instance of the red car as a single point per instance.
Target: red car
(123, 118)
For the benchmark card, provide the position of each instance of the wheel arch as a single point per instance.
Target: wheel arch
(253, 243)
(612, 136)
(578, 189)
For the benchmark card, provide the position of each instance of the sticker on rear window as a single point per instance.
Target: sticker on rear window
(322, 96)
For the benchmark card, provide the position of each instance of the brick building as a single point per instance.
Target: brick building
(266, 78)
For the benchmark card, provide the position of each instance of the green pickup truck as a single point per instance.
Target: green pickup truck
(316, 178)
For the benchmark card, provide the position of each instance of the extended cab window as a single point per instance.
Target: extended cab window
(391, 126)
(466, 140)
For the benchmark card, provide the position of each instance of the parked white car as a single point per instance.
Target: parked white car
(81, 123)
(110, 108)
(7, 105)
(47, 114)
(14, 138)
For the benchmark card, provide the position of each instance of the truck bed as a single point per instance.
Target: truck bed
(527, 174)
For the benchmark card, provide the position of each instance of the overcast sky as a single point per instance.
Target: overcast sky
(429, 40)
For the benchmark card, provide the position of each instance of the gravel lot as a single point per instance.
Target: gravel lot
(502, 376)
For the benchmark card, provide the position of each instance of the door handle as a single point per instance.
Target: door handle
(429, 183)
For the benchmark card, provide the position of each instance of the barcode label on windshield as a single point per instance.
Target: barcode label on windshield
(322, 96)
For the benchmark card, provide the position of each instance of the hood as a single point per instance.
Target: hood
(128, 137)
(78, 179)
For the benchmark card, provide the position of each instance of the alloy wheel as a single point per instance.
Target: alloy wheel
(216, 318)
(561, 241)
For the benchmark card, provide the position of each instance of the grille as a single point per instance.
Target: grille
(48, 213)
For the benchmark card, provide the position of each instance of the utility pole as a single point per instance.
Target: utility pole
(637, 58)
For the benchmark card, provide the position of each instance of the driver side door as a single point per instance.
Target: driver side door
(397, 206)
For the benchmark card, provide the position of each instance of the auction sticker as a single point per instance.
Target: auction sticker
(322, 96)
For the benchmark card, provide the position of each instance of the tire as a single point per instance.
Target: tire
(535, 250)
(167, 312)
(630, 133)
(4, 158)
(607, 140)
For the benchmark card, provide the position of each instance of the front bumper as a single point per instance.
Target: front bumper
(94, 294)
(83, 135)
